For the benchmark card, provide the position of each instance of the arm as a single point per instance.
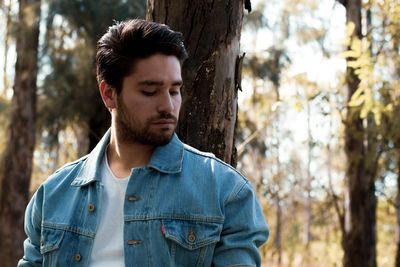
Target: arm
(32, 255)
(244, 230)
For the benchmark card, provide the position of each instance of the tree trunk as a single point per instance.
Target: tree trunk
(81, 132)
(277, 134)
(278, 229)
(308, 200)
(396, 44)
(360, 237)
(211, 75)
(16, 169)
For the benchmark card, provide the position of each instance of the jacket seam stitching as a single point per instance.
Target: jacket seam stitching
(235, 192)
(203, 154)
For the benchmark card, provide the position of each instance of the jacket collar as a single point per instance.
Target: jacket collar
(167, 159)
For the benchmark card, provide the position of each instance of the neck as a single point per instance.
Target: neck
(122, 157)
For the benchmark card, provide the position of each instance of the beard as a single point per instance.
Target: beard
(131, 130)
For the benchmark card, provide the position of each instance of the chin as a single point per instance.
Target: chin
(159, 139)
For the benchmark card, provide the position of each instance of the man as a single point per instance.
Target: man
(142, 197)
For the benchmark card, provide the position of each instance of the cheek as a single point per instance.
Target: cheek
(135, 105)
(177, 103)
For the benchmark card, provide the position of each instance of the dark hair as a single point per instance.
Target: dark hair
(126, 42)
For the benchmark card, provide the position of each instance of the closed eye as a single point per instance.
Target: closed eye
(174, 92)
(148, 93)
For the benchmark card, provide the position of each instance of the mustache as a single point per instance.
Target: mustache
(165, 116)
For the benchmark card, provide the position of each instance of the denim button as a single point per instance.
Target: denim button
(78, 257)
(133, 198)
(134, 242)
(91, 207)
(192, 236)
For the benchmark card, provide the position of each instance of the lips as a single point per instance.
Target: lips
(164, 121)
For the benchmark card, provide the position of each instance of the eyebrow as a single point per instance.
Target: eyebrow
(159, 83)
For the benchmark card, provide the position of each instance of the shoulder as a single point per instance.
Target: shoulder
(66, 173)
(217, 175)
(71, 164)
(55, 185)
(197, 153)
(209, 161)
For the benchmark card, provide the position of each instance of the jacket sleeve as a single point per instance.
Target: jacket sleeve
(244, 230)
(33, 215)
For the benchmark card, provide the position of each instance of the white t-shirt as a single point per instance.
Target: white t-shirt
(108, 247)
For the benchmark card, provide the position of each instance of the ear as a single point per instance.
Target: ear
(107, 94)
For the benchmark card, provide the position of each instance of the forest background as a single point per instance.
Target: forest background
(318, 116)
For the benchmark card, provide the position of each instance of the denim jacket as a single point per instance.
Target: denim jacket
(185, 208)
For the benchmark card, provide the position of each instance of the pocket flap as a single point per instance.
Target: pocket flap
(51, 240)
(191, 234)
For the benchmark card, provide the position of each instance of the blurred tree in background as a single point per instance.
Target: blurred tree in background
(372, 29)
(359, 238)
(16, 162)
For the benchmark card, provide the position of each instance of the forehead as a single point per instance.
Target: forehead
(157, 66)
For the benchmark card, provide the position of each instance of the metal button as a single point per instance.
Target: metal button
(91, 207)
(134, 242)
(192, 236)
(133, 198)
(78, 257)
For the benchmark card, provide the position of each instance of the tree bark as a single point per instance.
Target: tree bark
(396, 44)
(360, 147)
(17, 162)
(308, 200)
(278, 229)
(211, 75)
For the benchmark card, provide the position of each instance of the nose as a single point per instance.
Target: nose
(165, 104)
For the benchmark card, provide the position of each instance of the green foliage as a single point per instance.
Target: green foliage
(359, 58)
(372, 57)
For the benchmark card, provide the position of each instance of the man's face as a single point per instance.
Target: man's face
(148, 106)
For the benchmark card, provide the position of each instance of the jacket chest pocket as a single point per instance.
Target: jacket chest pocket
(50, 242)
(63, 248)
(192, 243)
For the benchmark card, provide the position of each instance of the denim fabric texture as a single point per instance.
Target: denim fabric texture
(185, 208)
